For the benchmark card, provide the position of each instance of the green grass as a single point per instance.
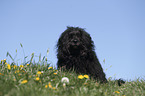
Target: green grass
(49, 83)
(40, 79)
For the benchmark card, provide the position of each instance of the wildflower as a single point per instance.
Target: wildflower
(17, 71)
(15, 66)
(55, 73)
(50, 68)
(42, 72)
(39, 72)
(117, 92)
(4, 60)
(80, 76)
(28, 64)
(1, 61)
(21, 66)
(37, 78)
(53, 88)
(86, 76)
(24, 81)
(46, 86)
(49, 84)
(65, 80)
(9, 66)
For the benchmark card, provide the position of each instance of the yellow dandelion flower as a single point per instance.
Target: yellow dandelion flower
(80, 76)
(46, 86)
(49, 84)
(50, 68)
(28, 64)
(117, 92)
(55, 73)
(21, 66)
(37, 78)
(53, 88)
(1, 61)
(15, 66)
(39, 72)
(9, 66)
(24, 81)
(86, 76)
(17, 71)
(4, 60)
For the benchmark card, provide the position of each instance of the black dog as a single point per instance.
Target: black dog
(75, 50)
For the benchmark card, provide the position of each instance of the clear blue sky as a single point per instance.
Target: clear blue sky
(117, 28)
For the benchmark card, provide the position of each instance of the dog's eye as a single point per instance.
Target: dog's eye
(71, 35)
(78, 34)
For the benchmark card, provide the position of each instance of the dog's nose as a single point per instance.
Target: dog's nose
(75, 41)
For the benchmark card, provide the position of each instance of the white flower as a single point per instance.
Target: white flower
(42, 72)
(65, 80)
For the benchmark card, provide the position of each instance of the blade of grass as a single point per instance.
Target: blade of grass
(8, 54)
(32, 56)
(40, 57)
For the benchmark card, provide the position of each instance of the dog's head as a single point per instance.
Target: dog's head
(75, 41)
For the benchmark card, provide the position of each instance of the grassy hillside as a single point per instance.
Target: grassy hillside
(40, 79)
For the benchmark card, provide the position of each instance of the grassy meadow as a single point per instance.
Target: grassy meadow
(40, 79)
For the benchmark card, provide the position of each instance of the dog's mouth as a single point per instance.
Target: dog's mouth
(74, 46)
(74, 49)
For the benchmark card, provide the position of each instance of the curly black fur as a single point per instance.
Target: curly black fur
(75, 50)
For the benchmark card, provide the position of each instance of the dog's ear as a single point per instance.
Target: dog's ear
(88, 40)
